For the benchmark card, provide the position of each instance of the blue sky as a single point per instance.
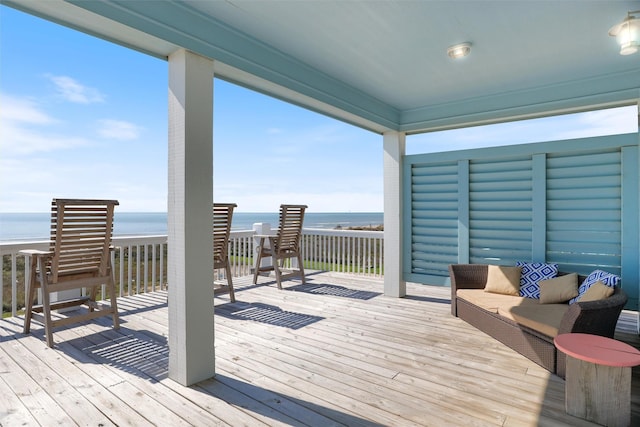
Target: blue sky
(82, 117)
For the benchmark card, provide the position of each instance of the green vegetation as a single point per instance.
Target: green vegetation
(370, 227)
(6, 281)
(130, 259)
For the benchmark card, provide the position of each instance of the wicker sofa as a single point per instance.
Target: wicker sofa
(536, 343)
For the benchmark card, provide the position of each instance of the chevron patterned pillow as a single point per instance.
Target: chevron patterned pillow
(532, 273)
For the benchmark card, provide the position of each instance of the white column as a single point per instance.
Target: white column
(190, 218)
(394, 150)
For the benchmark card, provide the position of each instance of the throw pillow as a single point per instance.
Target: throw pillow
(608, 279)
(532, 274)
(596, 292)
(503, 280)
(559, 289)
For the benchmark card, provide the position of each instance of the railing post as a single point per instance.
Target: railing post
(260, 228)
(14, 284)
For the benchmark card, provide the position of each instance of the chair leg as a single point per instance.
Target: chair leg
(30, 294)
(256, 269)
(114, 303)
(93, 294)
(301, 267)
(276, 268)
(232, 295)
(46, 304)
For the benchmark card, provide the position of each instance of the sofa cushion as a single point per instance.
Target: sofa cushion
(486, 300)
(559, 289)
(596, 292)
(608, 279)
(532, 273)
(503, 280)
(544, 318)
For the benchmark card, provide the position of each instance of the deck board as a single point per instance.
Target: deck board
(335, 351)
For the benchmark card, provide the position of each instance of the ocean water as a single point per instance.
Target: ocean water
(35, 226)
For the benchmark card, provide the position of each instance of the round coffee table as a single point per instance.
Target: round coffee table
(598, 381)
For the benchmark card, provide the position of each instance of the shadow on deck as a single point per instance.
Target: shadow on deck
(335, 351)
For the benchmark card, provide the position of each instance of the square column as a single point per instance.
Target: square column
(190, 218)
(394, 151)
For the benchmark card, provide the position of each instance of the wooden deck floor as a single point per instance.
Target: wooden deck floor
(332, 352)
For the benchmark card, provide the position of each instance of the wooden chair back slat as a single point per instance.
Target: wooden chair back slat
(222, 217)
(81, 232)
(290, 228)
(284, 245)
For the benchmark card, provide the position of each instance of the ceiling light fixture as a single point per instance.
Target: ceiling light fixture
(627, 33)
(459, 50)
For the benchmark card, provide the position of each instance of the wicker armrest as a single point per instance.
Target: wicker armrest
(594, 317)
(466, 276)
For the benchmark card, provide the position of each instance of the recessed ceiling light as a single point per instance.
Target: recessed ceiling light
(627, 33)
(459, 50)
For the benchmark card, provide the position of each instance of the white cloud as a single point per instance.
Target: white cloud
(75, 92)
(604, 122)
(119, 130)
(22, 110)
(21, 122)
(18, 140)
(28, 185)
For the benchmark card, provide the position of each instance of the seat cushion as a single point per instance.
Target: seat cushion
(544, 318)
(487, 300)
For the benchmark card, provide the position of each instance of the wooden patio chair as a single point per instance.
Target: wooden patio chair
(79, 258)
(283, 245)
(222, 216)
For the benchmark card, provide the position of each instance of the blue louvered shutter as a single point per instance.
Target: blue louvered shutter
(584, 210)
(434, 218)
(500, 210)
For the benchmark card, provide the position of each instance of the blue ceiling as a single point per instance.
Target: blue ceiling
(382, 65)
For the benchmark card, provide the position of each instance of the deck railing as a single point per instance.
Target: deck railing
(140, 262)
(345, 251)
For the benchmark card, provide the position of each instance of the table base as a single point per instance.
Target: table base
(598, 393)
